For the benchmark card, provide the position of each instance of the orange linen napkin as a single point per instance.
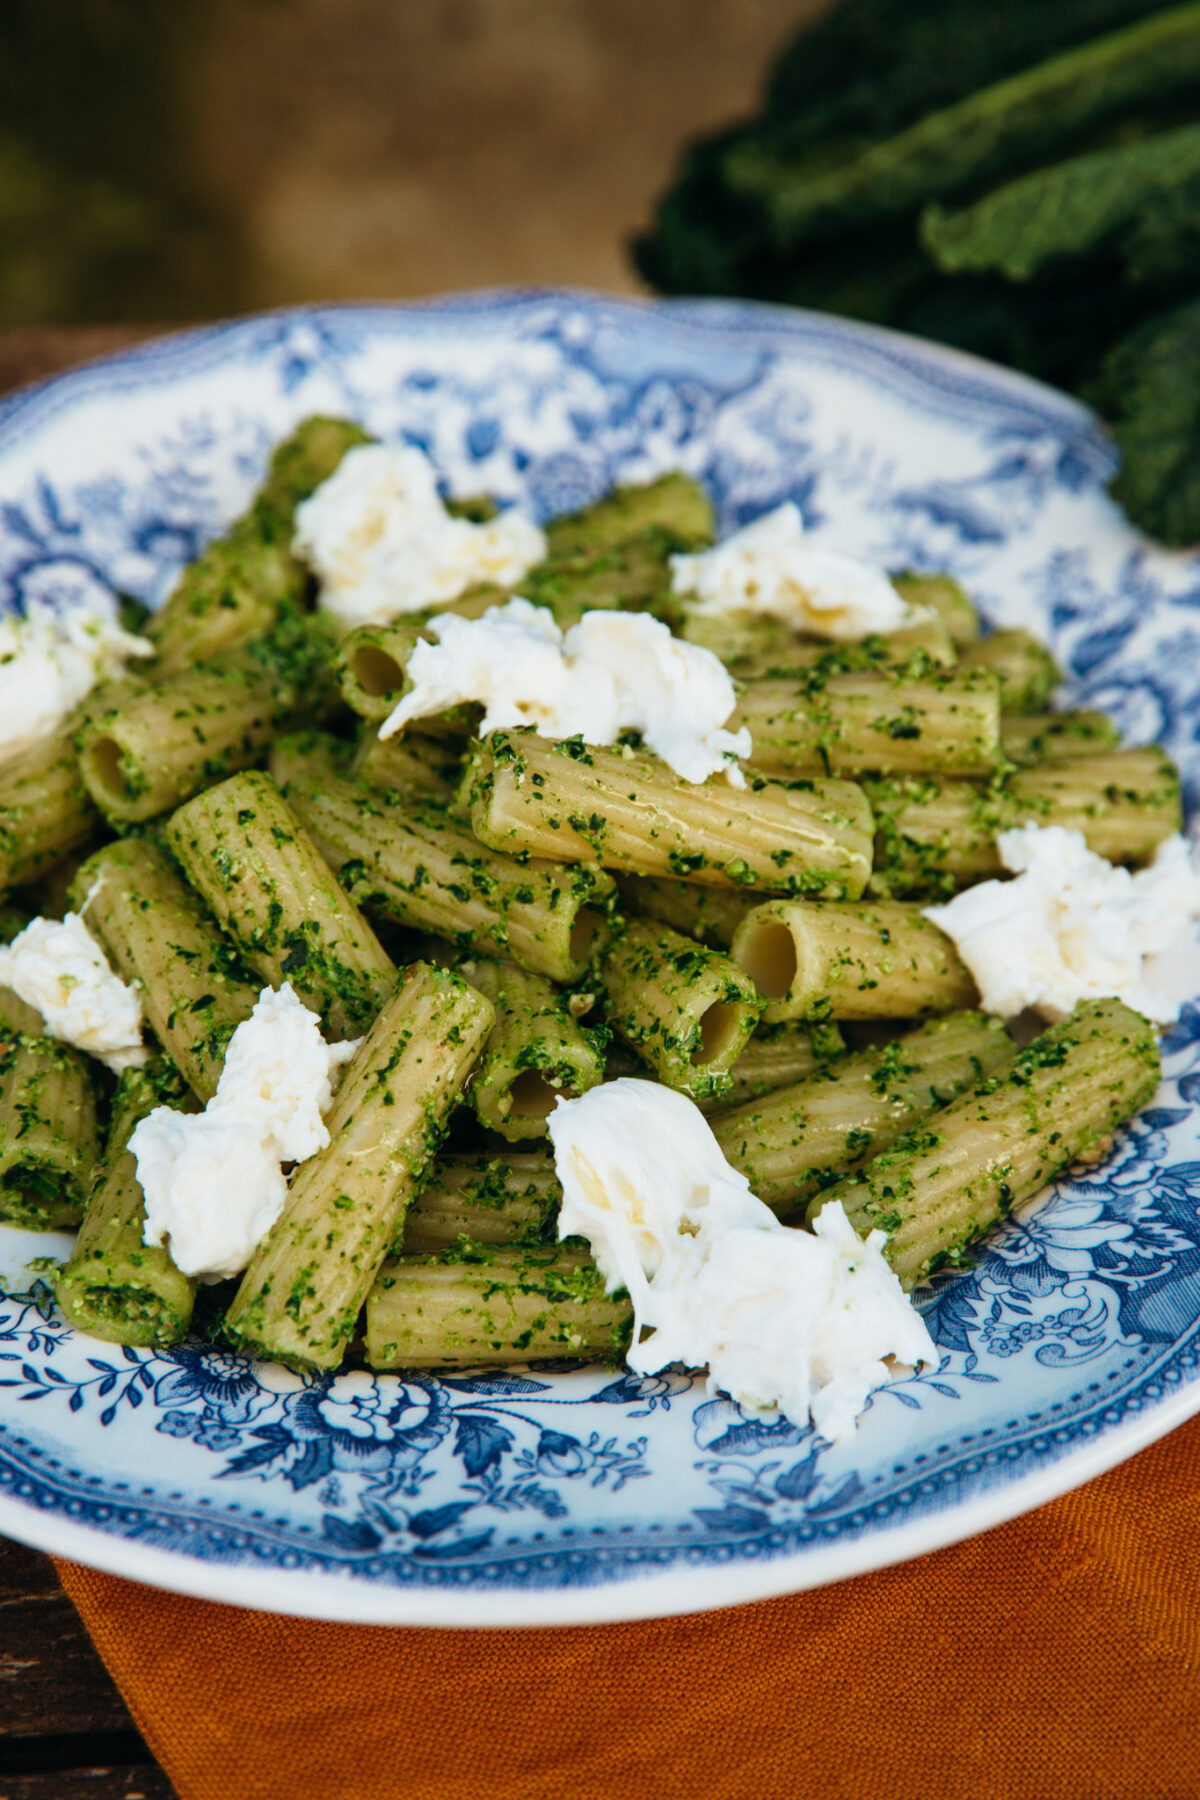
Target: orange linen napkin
(1055, 1658)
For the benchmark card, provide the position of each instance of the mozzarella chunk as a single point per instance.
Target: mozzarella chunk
(383, 544)
(57, 967)
(795, 1321)
(771, 567)
(1073, 927)
(51, 656)
(612, 672)
(213, 1181)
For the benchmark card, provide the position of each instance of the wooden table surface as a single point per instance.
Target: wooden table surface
(65, 1733)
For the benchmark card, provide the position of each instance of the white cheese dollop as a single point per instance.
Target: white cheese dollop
(612, 672)
(51, 656)
(795, 1321)
(213, 1181)
(771, 567)
(1073, 927)
(57, 967)
(383, 544)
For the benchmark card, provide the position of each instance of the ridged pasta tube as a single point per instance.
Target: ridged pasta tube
(159, 937)
(535, 1052)
(155, 750)
(420, 769)
(674, 502)
(947, 598)
(115, 1285)
(799, 1139)
(574, 803)
(507, 1199)
(266, 883)
(45, 809)
(687, 1011)
(776, 1056)
(1025, 669)
(49, 1137)
(419, 869)
(947, 722)
(300, 1298)
(843, 960)
(1034, 737)
(237, 587)
(520, 1304)
(708, 914)
(940, 1186)
(933, 837)
(914, 650)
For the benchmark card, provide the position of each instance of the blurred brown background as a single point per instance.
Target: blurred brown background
(176, 159)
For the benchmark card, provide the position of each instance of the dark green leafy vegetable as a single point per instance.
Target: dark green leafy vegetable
(1150, 390)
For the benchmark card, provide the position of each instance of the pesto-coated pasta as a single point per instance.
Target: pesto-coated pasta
(531, 796)
(674, 502)
(115, 1285)
(941, 1185)
(1034, 737)
(1025, 669)
(154, 750)
(300, 1297)
(946, 597)
(535, 1052)
(850, 960)
(421, 769)
(267, 884)
(687, 1011)
(775, 1056)
(947, 722)
(49, 1136)
(799, 1139)
(420, 869)
(159, 937)
(765, 647)
(237, 587)
(519, 1304)
(45, 809)
(486, 1199)
(711, 915)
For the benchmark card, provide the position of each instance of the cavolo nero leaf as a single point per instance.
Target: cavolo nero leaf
(1149, 391)
(1071, 209)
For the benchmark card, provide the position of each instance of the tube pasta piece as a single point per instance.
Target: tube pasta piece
(575, 803)
(836, 960)
(941, 1185)
(710, 915)
(300, 1298)
(316, 755)
(799, 1139)
(1034, 737)
(418, 768)
(238, 586)
(263, 878)
(157, 749)
(45, 810)
(1126, 802)
(687, 1011)
(933, 837)
(632, 576)
(116, 1286)
(674, 502)
(951, 602)
(1027, 672)
(535, 1051)
(518, 1304)
(510, 1199)
(947, 723)
(159, 938)
(419, 869)
(776, 1056)
(372, 667)
(49, 1137)
(913, 650)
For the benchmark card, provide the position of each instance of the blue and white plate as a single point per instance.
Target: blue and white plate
(551, 1495)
